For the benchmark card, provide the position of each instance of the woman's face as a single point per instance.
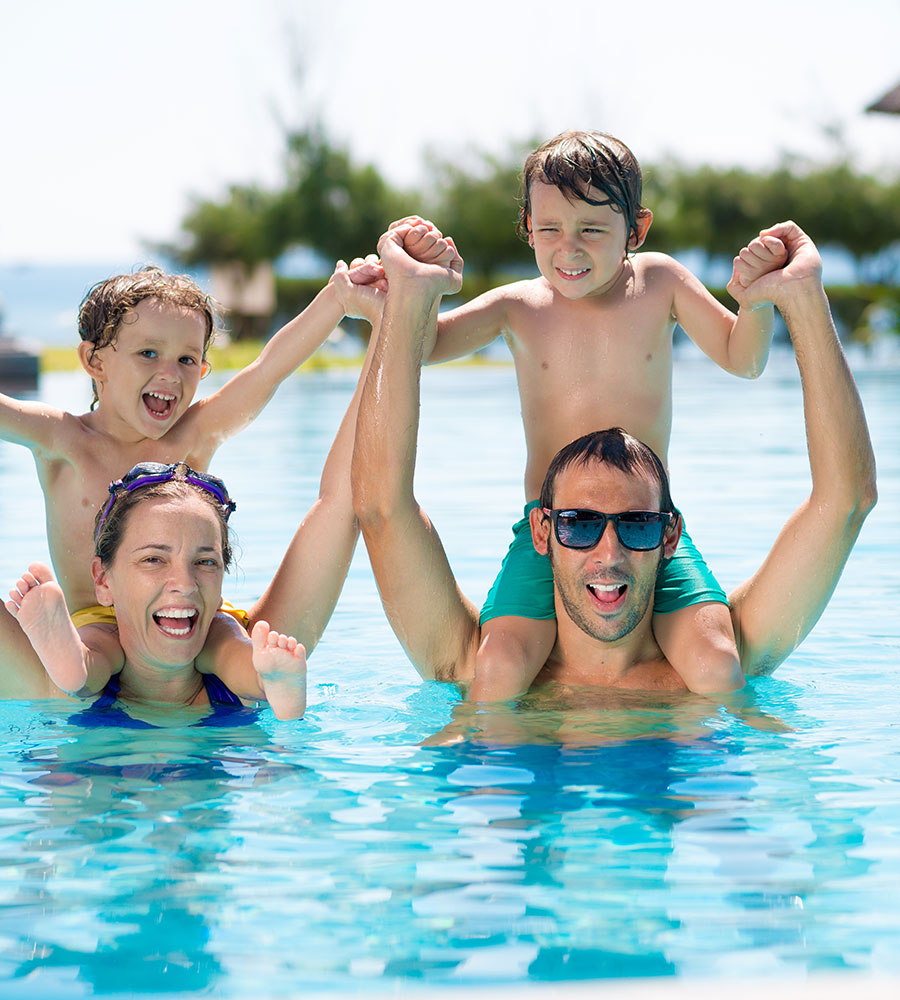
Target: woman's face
(165, 581)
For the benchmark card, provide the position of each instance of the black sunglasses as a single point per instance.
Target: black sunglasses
(638, 530)
(148, 473)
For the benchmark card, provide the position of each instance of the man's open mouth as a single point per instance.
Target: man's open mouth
(176, 622)
(159, 404)
(608, 593)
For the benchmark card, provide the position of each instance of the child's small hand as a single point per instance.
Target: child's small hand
(761, 256)
(360, 288)
(423, 241)
(442, 266)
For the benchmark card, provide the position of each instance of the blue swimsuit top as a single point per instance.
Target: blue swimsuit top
(105, 710)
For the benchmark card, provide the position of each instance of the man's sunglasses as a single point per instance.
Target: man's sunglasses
(638, 530)
(149, 473)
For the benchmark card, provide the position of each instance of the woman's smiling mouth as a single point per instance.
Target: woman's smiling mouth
(176, 622)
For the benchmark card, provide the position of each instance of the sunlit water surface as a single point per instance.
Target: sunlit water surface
(342, 852)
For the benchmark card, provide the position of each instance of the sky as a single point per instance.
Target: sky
(114, 116)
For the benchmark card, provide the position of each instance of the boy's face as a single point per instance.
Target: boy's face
(579, 247)
(148, 376)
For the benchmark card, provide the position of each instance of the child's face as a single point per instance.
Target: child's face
(148, 376)
(579, 247)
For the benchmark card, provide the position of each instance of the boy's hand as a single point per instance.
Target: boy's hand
(420, 252)
(360, 288)
(423, 240)
(802, 272)
(764, 254)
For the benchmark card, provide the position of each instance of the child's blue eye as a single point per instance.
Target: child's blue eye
(188, 361)
(148, 353)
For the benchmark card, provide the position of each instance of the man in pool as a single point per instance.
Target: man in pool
(604, 564)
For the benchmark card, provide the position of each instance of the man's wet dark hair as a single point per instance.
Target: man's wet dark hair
(575, 161)
(613, 447)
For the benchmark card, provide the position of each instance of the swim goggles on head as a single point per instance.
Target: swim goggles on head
(638, 530)
(148, 473)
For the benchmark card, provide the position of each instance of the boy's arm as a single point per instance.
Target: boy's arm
(467, 328)
(775, 609)
(240, 400)
(461, 331)
(738, 344)
(34, 425)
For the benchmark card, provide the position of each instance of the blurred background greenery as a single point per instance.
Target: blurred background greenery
(707, 211)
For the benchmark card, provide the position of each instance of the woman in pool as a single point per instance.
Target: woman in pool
(161, 551)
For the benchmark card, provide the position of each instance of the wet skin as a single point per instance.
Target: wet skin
(166, 583)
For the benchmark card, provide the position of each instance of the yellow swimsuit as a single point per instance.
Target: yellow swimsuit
(97, 614)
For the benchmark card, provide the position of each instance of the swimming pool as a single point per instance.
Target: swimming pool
(632, 837)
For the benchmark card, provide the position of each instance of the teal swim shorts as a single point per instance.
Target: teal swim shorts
(524, 585)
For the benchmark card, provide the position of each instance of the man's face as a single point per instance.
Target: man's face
(607, 591)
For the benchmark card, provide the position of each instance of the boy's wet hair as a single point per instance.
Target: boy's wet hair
(110, 531)
(105, 306)
(576, 160)
(614, 447)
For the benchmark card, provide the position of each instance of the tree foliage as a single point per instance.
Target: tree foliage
(479, 206)
(332, 204)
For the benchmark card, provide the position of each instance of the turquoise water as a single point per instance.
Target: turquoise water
(623, 838)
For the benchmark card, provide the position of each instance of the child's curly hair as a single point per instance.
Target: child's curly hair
(106, 304)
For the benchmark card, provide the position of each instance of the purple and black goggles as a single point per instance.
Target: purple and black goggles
(149, 473)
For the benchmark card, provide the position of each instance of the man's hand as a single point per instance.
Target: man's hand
(801, 274)
(419, 252)
(764, 254)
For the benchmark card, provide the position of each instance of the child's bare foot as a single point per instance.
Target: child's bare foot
(38, 604)
(280, 662)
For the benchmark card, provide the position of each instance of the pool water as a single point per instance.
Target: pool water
(356, 850)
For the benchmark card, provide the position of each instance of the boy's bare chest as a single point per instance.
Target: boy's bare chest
(75, 489)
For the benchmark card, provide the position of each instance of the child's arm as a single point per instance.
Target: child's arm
(240, 400)
(739, 344)
(466, 329)
(34, 425)
(77, 661)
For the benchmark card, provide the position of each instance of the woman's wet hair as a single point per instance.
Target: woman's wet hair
(576, 161)
(614, 447)
(107, 305)
(110, 531)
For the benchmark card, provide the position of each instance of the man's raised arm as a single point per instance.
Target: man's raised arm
(778, 606)
(435, 623)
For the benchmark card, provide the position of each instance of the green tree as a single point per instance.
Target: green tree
(237, 229)
(478, 206)
(329, 202)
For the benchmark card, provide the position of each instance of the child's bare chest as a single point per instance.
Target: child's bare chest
(75, 489)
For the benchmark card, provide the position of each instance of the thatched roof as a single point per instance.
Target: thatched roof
(890, 103)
